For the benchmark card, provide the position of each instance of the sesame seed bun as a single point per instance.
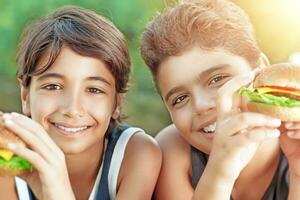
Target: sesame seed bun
(284, 75)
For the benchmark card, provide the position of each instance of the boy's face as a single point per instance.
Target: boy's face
(189, 84)
(73, 100)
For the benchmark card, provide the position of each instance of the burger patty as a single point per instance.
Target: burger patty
(291, 96)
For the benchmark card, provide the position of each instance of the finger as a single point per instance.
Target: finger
(33, 127)
(30, 139)
(30, 125)
(246, 120)
(293, 134)
(255, 135)
(258, 69)
(292, 125)
(34, 158)
(261, 134)
(226, 93)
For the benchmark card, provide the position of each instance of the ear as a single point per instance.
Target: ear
(117, 111)
(263, 61)
(24, 98)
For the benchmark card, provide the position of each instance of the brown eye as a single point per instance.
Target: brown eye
(52, 87)
(179, 99)
(218, 80)
(95, 90)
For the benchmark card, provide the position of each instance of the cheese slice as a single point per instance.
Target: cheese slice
(263, 90)
(6, 154)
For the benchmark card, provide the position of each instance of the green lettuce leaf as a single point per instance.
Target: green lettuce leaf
(16, 162)
(270, 99)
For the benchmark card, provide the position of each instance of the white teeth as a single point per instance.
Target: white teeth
(210, 128)
(72, 130)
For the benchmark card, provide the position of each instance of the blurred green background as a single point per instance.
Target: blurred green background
(277, 25)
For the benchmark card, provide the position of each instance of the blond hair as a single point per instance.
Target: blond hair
(208, 24)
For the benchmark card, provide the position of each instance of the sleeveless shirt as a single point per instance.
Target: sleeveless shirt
(277, 190)
(105, 186)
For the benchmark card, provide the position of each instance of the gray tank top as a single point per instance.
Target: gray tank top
(277, 190)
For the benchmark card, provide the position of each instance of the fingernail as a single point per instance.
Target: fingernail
(288, 125)
(15, 114)
(11, 146)
(276, 122)
(258, 69)
(290, 133)
(7, 116)
(274, 133)
(8, 121)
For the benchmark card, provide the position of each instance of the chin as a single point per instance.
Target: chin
(202, 144)
(73, 149)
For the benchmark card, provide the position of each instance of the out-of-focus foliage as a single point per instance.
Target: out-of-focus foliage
(277, 25)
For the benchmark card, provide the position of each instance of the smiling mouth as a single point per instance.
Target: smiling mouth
(210, 128)
(70, 130)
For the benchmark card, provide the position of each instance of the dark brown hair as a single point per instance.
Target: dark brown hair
(82, 30)
(208, 24)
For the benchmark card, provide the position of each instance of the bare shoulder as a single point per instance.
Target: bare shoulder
(7, 188)
(142, 148)
(174, 179)
(140, 166)
(172, 144)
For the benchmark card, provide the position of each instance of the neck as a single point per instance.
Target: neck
(83, 169)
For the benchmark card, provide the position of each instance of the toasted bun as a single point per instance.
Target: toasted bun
(7, 171)
(283, 75)
(6, 137)
(283, 113)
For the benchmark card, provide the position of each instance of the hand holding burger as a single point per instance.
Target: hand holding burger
(10, 164)
(45, 157)
(276, 92)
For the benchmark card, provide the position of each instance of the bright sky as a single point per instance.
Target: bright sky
(295, 58)
(277, 25)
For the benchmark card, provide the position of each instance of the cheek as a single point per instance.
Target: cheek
(101, 107)
(182, 119)
(102, 115)
(41, 107)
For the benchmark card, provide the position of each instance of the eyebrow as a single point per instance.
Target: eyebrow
(202, 75)
(214, 68)
(171, 92)
(49, 75)
(59, 76)
(98, 78)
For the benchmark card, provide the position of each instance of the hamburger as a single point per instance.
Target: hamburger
(276, 92)
(10, 164)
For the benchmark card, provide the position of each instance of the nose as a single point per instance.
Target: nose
(72, 104)
(203, 102)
